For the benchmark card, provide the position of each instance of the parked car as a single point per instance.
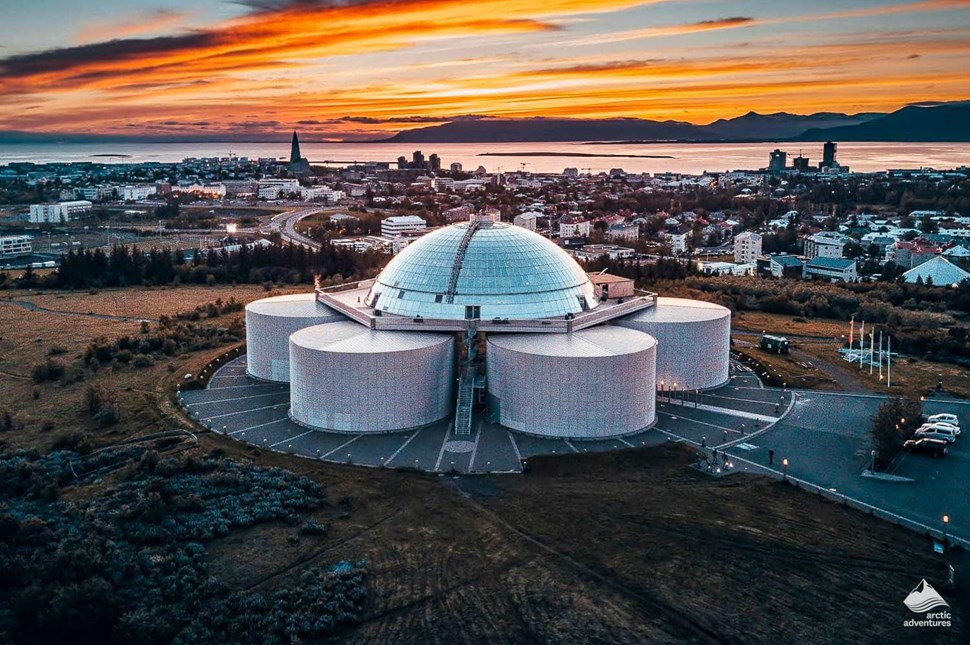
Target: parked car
(942, 424)
(926, 446)
(935, 432)
(945, 426)
(945, 417)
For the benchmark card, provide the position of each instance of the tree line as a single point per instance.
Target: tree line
(123, 267)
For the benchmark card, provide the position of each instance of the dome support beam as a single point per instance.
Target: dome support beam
(459, 258)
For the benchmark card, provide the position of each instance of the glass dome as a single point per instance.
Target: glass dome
(505, 271)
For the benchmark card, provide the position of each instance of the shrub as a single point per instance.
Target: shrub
(49, 370)
(101, 405)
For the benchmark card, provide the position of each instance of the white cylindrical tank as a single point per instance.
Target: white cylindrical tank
(693, 341)
(348, 378)
(589, 384)
(269, 323)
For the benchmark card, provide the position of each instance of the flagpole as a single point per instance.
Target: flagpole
(862, 341)
(889, 362)
(872, 349)
(880, 355)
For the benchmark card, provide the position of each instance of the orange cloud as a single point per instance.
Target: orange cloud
(283, 60)
(733, 22)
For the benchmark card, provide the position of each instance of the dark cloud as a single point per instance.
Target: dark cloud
(725, 22)
(369, 120)
(57, 60)
(186, 123)
(253, 124)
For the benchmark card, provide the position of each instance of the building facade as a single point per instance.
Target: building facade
(59, 212)
(747, 247)
(400, 224)
(824, 245)
(12, 246)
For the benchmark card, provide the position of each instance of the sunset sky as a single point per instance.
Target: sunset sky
(359, 69)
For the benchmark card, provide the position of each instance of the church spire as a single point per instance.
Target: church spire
(295, 155)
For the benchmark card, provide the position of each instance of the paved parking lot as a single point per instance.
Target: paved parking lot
(258, 413)
(824, 436)
(826, 441)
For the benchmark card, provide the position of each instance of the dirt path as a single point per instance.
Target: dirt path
(29, 306)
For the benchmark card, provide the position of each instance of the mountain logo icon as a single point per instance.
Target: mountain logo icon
(924, 598)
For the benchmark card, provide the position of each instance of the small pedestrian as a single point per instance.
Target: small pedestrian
(771, 457)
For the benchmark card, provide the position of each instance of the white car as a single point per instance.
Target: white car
(944, 418)
(940, 424)
(936, 432)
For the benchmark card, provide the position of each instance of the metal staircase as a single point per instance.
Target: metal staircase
(459, 258)
(463, 409)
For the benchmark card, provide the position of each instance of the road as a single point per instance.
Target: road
(285, 224)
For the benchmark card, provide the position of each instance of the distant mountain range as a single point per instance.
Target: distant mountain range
(930, 121)
(938, 122)
(947, 122)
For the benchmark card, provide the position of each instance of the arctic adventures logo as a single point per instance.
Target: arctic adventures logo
(923, 600)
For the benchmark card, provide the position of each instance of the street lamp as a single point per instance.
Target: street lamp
(784, 465)
(946, 522)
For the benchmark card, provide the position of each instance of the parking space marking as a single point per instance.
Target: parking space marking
(704, 423)
(240, 398)
(515, 447)
(444, 442)
(229, 414)
(258, 426)
(478, 436)
(566, 441)
(403, 446)
(343, 445)
(733, 398)
(235, 387)
(302, 434)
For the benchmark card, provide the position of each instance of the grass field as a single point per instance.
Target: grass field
(756, 321)
(626, 547)
(820, 339)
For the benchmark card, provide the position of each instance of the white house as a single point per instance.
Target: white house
(526, 220)
(676, 241)
(137, 193)
(824, 245)
(747, 247)
(398, 224)
(574, 227)
(57, 213)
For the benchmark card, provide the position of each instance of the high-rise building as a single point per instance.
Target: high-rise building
(828, 154)
(455, 166)
(778, 160)
(434, 163)
(417, 159)
(800, 163)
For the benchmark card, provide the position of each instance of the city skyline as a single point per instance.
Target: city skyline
(355, 70)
